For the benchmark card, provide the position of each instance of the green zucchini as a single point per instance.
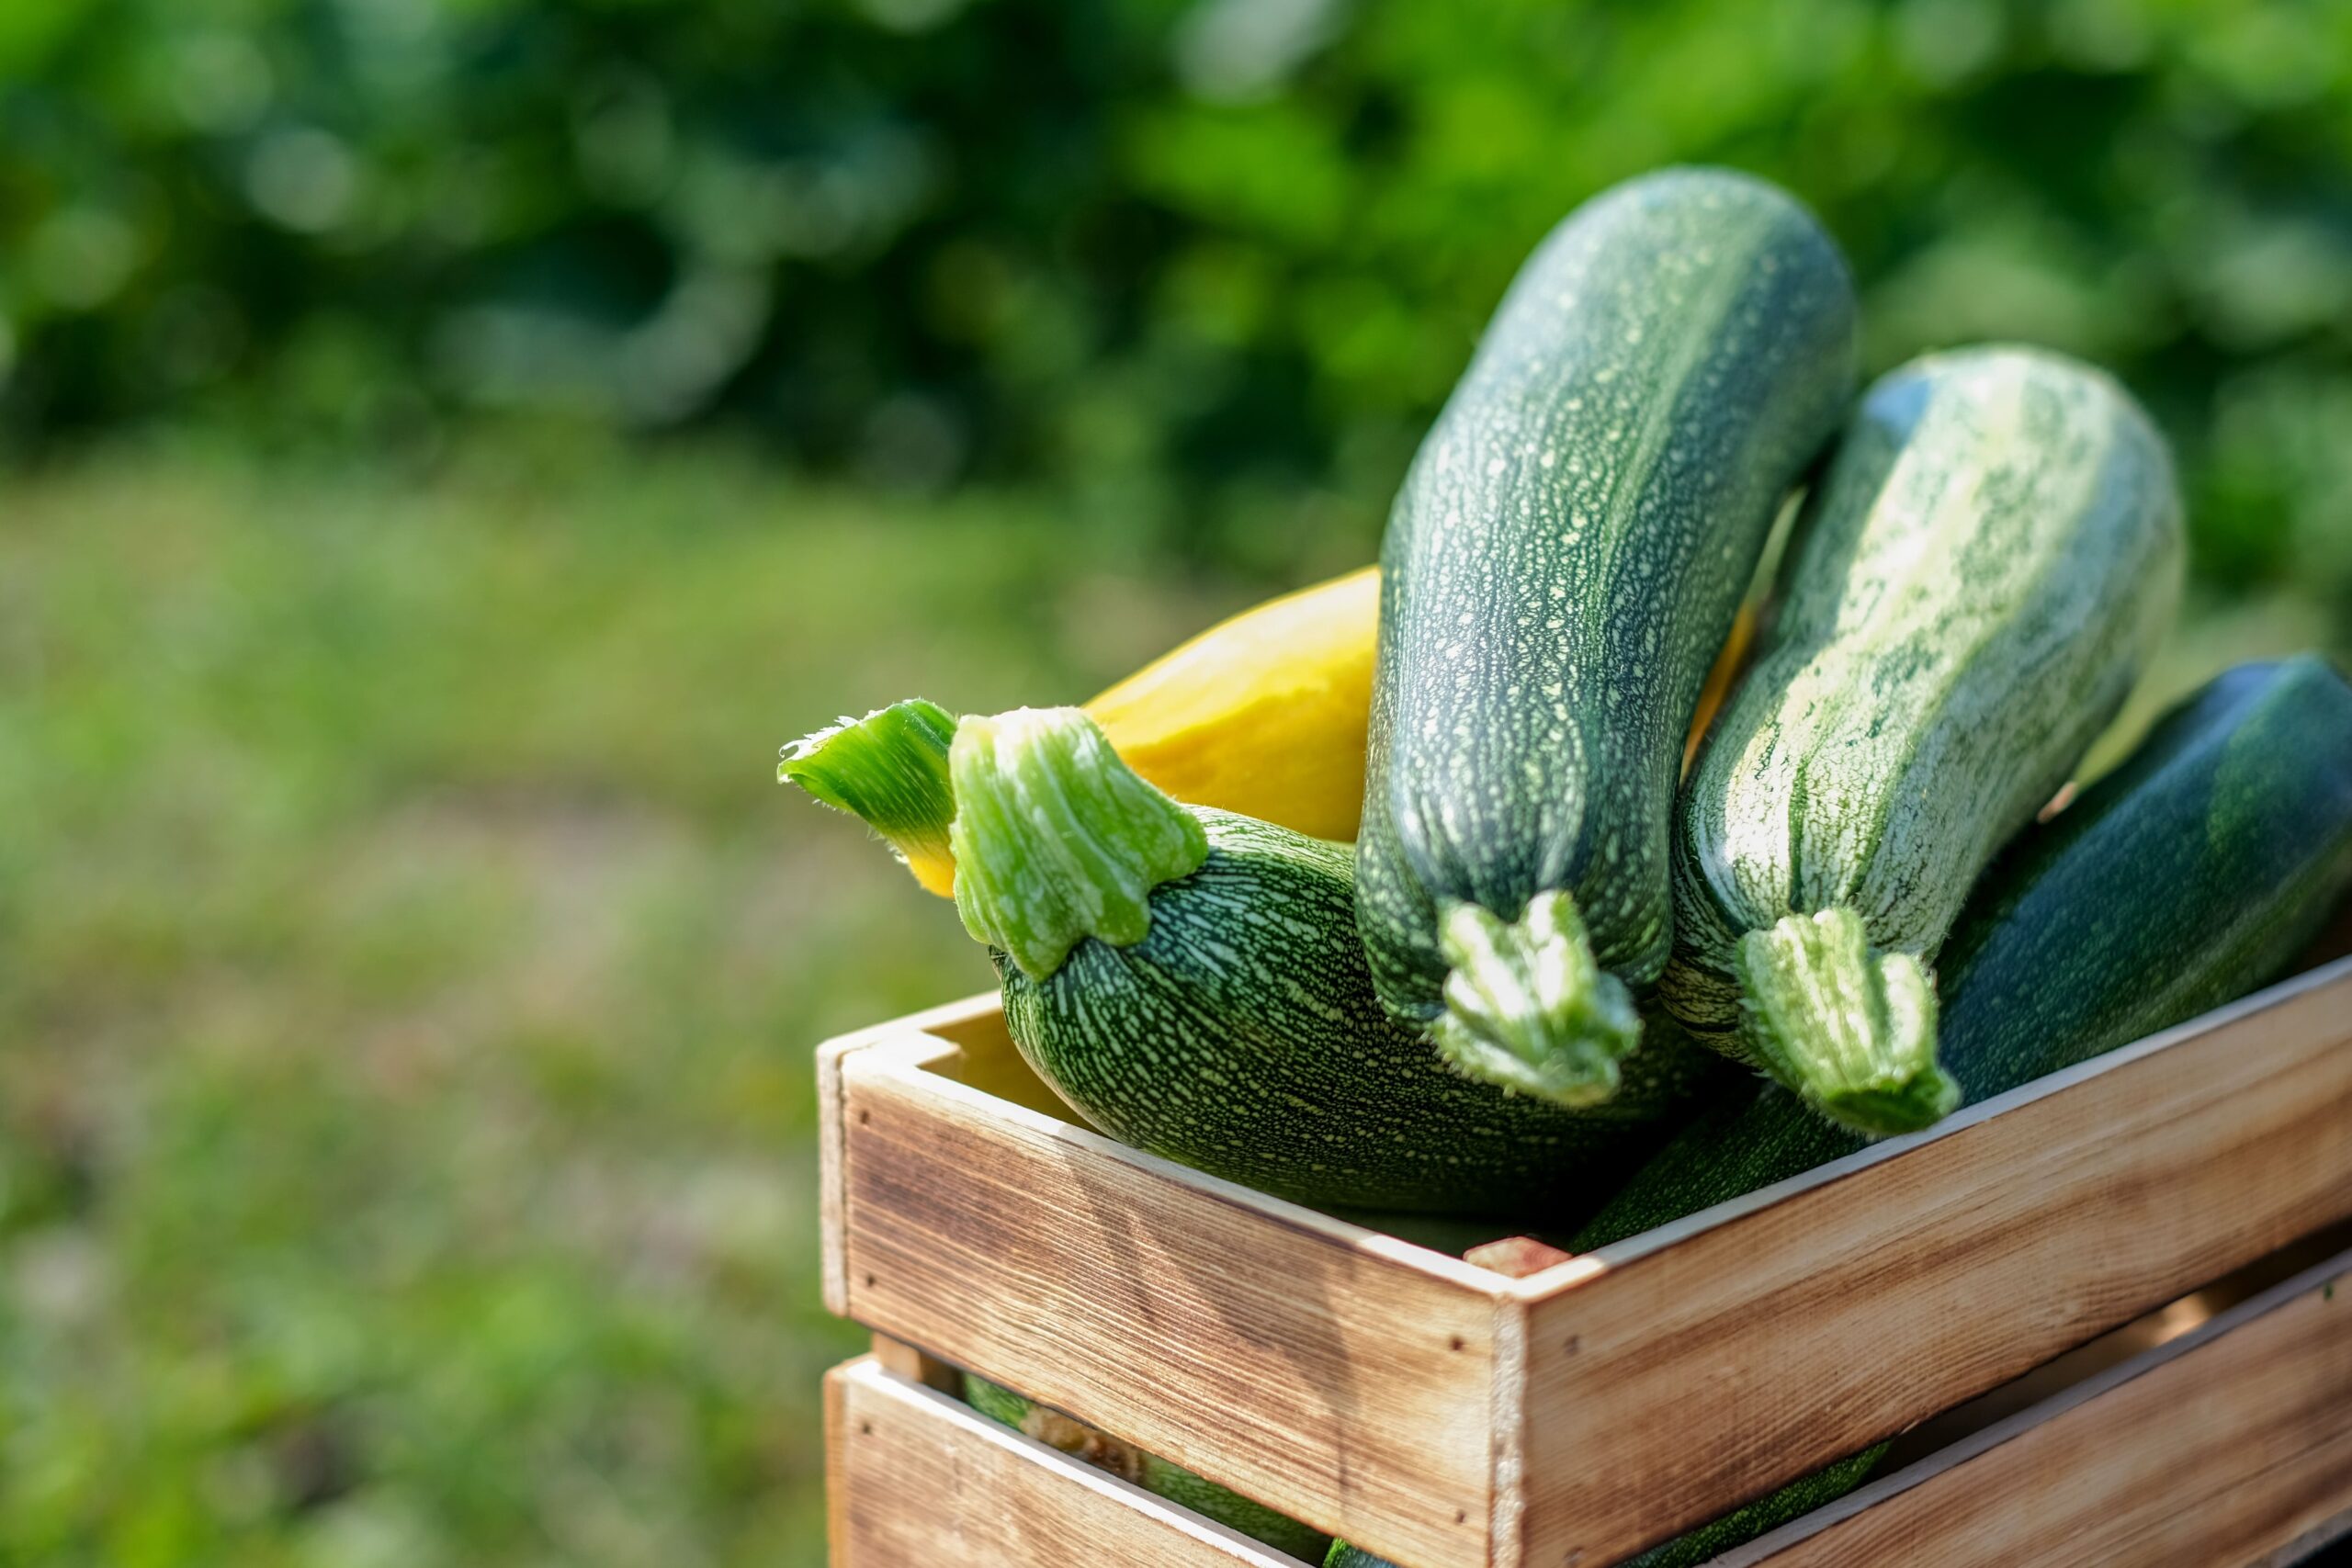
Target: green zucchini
(1561, 567)
(1191, 983)
(1994, 558)
(2187, 878)
(1153, 1474)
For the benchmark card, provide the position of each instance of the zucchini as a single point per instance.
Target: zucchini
(1189, 981)
(1994, 558)
(1153, 1474)
(2188, 876)
(1566, 556)
(1262, 714)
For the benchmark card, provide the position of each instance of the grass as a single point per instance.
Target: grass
(405, 1113)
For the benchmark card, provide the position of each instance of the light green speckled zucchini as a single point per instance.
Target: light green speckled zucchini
(2188, 876)
(1994, 558)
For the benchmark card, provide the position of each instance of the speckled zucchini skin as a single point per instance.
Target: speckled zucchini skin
(1569, 551)
(2188, 876)
(1994, 558)
(1241, 1036)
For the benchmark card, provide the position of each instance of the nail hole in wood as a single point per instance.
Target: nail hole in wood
(1458, 1343)
(869, 1281)
(1461, 1516)
(1575, 1342)
(866, 1428)
(864, 1117)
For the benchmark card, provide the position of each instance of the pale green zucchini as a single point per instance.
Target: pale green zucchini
(1561, 567)
(2188, 876)
(1994, 558)
(1191, 982)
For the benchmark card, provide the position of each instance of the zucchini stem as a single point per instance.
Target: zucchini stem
(1527, 1005)
(890, 769)
(1850, 1029)
(1056, 839)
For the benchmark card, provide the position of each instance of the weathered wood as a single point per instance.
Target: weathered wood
(1713, 1360)
(1338, 1375)
(917, 1480)
(1452, 1417)
(904, 1360)
(2229, 1446)
(980, 1016)
(2226, 1446)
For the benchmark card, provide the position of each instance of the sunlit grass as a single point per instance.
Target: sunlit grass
(410, 965)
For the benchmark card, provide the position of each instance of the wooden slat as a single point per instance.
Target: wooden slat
(1712, 1360)
(1339, 1376)
(2230, 1445)
(949, 1022)
(917, 1480)
(1449, 1416)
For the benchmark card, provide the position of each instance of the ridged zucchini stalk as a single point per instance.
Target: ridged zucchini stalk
(886, 769)
(1191, 982)
(1153, 1474)
(1566, 556)
(2188, 876)
(1993, 560)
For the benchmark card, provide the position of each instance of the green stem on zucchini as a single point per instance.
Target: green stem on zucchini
(1528, 1007)
(891, 768)
(1851, 1031)
(1057, 840)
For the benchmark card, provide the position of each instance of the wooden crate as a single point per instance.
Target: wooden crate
(916, 1478)
(2229, 1445)
(1450, 1417)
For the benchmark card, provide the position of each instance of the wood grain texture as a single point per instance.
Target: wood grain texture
(1339, 1376)
(1715, 1358)
(1452, 1417)
(2230, 1445)
(978, 1017)
(901, 1359)
(917, 1480)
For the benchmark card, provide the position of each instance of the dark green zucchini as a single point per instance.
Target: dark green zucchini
(1151, 1472)
(1191, 983)
(1993, 559)
(1561, 568)
(2187, 878)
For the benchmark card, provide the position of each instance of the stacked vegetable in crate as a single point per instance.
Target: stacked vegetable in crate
(1527, 990)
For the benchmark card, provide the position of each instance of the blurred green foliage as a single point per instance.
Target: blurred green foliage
(1205, 266)
(406, 1142)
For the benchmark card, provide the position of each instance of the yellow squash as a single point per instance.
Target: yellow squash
(1265, 714)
